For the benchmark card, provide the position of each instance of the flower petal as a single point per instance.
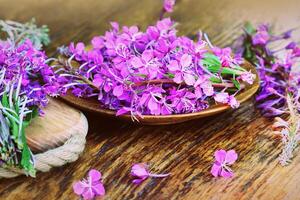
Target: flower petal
(137, 181)
(147, 55)
(136, 62)
(225, 173)
(152, 104)
(220, 155)
(189, 79)
(186, 60)
(215, 170)
(231, 157)
(118, 90)
(78, 187)
(99, 189)
(139, 170)
(173, 65)
(94, 175)
(88, 194)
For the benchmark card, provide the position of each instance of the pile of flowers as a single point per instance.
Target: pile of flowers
(25, 81)
(280, 81)
(154, 72)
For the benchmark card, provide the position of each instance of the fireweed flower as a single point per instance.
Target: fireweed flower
(90, 187)
(154, 72)
(140, 171)
(280, 81)
(222, 161)
(168, 5)
(26, 80)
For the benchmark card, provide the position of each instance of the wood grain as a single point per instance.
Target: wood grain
(55, 128)
(184, 150)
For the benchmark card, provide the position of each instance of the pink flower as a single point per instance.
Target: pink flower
(233, 102)
(168, 5)
(222, 160)
(221, 97)
(225, 98)
(248, 77)
(90, 187)
(260, 38)
(140, 171)
(181, 70)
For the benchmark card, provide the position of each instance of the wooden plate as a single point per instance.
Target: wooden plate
(92, 105)
(52, 130)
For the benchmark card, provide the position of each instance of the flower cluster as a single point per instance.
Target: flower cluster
(27, 63)
(154, 72)
(280, 80)
(25, 81)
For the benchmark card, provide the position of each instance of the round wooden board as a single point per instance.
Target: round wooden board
(55, 127)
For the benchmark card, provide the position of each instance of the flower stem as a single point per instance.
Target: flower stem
(158, 175)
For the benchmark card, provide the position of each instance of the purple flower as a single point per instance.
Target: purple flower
(248, 77)
(169, 5)
(222, 161)
(91, 187)
(279, 92)
(154, 72)
(261, 38)
(141, 172)
(225, 98)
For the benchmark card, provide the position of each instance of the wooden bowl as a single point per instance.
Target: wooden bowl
(92, 105)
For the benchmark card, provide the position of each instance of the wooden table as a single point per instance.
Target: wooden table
(184, 150)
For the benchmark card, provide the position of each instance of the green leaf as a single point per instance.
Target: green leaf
(212, 62)
(141, 75)
(34, 113)
(26, 156)
(169, 75)
(249, 28)
(236, 84)
(4, 100)
(215, 80)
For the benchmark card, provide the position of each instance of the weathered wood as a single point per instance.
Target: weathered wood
(184, 150)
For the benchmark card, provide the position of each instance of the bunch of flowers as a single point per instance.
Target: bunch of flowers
(25, 81)
(280, 81)
(154, 72)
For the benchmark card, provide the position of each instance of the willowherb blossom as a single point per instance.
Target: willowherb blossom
(168, 5)
(222, 161)
(154, 72)
(90, 187)
(141, 173)
(25, 81)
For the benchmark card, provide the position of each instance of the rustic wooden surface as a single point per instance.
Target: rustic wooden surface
(55, 128)
(184, 150)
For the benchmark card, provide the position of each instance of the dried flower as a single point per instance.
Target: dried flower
(91, 187)
(222, 160)
(141, 172)
(289, 131)
(17, 33)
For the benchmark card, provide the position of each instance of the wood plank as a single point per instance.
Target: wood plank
(185, 150)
